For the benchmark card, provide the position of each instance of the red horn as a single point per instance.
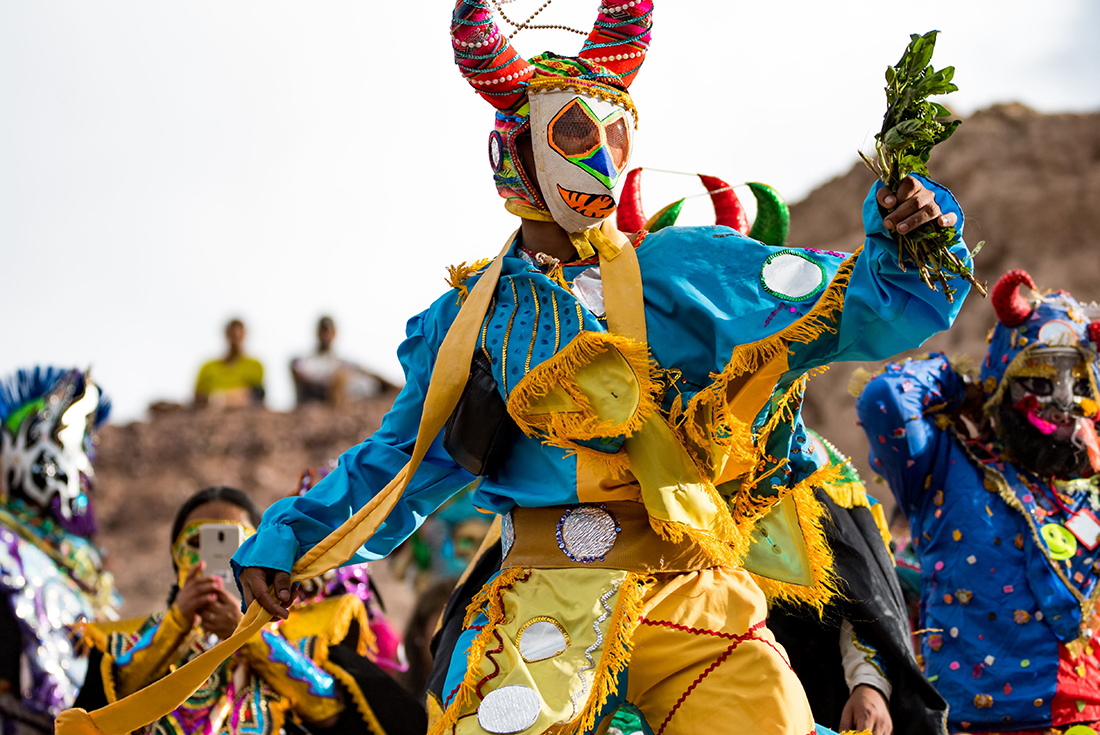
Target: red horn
(727, 207)
(630, 217)
(485, 58)
(620, 37)
(1012, 308)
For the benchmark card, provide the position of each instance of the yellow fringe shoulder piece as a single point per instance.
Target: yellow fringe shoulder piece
(488, 600)
(457, 275)
(330, 619)
(560, 373)
(616, 655)
(879, 515)
(374, 727)
(811, 515)
(848, 494)
(751, 357)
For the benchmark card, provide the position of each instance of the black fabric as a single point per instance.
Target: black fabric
(876, 609)
(92, 695)
(396, 710)
(478, 434)
(11, 645)
(450, 628)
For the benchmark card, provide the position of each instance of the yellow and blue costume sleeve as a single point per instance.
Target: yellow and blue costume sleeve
(295, 672)
(133, 661)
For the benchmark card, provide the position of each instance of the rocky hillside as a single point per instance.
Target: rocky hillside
(1030, 184)
(146, 470)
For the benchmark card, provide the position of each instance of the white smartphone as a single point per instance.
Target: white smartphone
(217, 544)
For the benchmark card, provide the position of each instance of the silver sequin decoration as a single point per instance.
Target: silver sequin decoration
(586, 533)
(581, 696)
(509, 709)
(507, 534)
(541, 640)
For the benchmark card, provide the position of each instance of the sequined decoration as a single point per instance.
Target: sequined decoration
(541, 638)
(587, 532)
(509, 709)
(507, 534)
(581, 695)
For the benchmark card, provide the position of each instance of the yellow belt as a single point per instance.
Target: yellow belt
(542, 540)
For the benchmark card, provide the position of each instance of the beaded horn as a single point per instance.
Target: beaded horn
(1012, 308)
(618, 42)
(620, 37)
(485, 57)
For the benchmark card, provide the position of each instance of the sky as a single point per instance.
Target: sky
(167, 166)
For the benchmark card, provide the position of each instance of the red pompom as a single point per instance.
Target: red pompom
(1094, 332)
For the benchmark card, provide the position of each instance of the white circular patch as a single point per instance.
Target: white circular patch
(587, 533)
(792, 276)
(509, 709)
(1058, 333)
(540, 640)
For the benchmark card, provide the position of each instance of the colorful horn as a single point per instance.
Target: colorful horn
(620, 37)
(1012, 308)
(773, 217)
(630, 217)
(485, 57)
(727, 207)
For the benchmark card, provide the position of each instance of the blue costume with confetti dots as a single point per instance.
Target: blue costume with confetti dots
(1006, 606)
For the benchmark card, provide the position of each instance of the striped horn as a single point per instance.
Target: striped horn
(620, 37)
(486, 58)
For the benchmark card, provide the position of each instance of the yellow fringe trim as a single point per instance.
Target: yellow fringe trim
(883, 528)
(563, 429)
(848, 494)
(352, 608)
(361, 704)
(457, 275)
(487, 600)
(616, 653)
(811, 515)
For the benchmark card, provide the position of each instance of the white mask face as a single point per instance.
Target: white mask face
(581, 146)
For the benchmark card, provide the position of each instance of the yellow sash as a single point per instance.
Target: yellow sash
(158, 699)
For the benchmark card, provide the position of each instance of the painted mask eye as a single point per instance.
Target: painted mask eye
(618, 141)
(573, 132)
(1081, 387)
(1041, 387)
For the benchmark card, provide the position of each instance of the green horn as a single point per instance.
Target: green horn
(773, 217)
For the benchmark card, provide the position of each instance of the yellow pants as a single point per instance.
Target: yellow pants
(703, 661)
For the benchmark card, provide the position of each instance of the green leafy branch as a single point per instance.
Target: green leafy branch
(912, 127)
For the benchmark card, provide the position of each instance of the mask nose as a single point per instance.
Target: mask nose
(603, 164)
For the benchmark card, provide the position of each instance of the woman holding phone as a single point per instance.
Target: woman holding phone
(284, 679)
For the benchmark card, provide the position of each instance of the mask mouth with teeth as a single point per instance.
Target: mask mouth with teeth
(47, 421)
(1041, 376)
(576, 110)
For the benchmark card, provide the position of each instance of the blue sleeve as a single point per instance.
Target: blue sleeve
(887, 310)
(292, 526)
(897, 411)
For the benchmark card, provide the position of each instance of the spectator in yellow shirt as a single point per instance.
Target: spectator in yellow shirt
(234, 380)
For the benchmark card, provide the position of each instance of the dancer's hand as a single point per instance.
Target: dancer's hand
(254, 583)
(197, 590)
(867, 710)
(221, 614)
(911, 207)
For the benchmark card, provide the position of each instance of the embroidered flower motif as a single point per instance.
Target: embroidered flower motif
(1021, 617)
(983, 701)
(964, 596)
